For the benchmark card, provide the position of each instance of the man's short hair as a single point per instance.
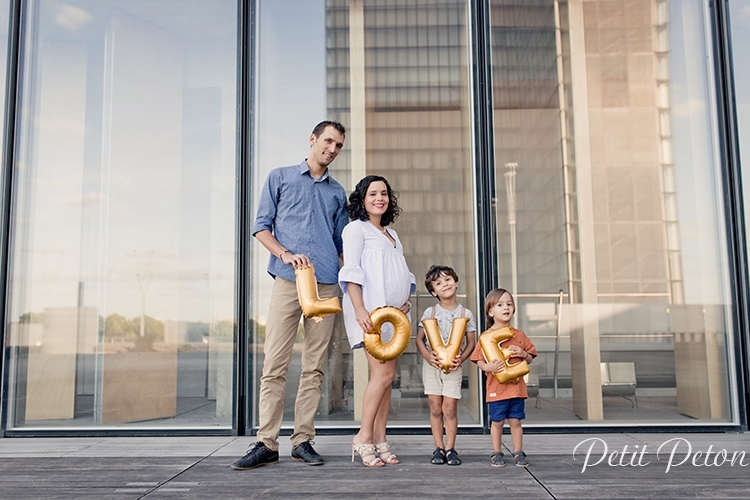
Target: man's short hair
(320, 127)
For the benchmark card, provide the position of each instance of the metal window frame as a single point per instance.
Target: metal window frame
(487, 277)
(731, 174)
(242, 403)
(486, 244)
(6, 191)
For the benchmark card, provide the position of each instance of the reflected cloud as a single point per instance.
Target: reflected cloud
(739, 13)
(72, 18)
(686, 108)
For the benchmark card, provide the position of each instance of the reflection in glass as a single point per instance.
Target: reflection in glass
(610, 231)
(740, 20)
(122, 299)
(397, 76)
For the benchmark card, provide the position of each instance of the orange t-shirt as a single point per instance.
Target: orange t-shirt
(495, 390)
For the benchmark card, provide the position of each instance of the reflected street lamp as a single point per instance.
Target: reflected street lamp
(144, 282)
(510, 189)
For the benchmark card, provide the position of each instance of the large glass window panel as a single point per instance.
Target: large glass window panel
(396, 74)
(122, 283)
(740, 21)
(740, 31)
(609, 214)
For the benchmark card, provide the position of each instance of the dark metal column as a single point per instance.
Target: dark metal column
(6, 185)
(484, 154)
(242, 363)
(484, 148)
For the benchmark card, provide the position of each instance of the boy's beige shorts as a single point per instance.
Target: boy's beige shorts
(438, 383)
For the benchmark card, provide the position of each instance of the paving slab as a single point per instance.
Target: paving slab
(617, 466)
(207, 478)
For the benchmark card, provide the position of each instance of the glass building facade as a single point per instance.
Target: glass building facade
(583, 154)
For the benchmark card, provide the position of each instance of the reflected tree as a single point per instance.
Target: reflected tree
(129, 330)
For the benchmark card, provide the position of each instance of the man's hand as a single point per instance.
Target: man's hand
(298, 260)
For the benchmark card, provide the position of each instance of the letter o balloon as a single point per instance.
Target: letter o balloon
(386, 351)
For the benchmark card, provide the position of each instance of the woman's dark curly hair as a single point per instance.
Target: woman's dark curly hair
(356, 205)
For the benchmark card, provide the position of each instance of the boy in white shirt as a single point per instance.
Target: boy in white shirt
(444, 389)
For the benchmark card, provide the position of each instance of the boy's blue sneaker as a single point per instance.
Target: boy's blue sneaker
(438, 456)
(451, 457)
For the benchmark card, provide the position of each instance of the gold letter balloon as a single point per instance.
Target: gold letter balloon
(307, 290)
(446, 352)
(386, 351)
(490, 342)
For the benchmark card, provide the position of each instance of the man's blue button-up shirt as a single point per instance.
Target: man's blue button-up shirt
(307, 216)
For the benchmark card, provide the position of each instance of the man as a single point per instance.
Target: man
(301, 214)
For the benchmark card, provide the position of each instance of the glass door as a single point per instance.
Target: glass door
(397, 75)
(609, 209)
(122, 280)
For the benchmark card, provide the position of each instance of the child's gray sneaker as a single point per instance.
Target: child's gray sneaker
(519, 457)
(496, 459)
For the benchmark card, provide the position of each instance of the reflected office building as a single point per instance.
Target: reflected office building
(584, 155)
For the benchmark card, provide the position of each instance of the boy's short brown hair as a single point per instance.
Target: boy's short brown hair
(434, 273)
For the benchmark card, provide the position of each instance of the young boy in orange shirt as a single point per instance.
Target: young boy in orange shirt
(505, 401)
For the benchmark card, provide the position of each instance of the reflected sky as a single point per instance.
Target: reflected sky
(740, 25)
(290, 101)
(126, 159)
(697, 172)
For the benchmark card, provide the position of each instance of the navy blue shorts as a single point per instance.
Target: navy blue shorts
(507, 408)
